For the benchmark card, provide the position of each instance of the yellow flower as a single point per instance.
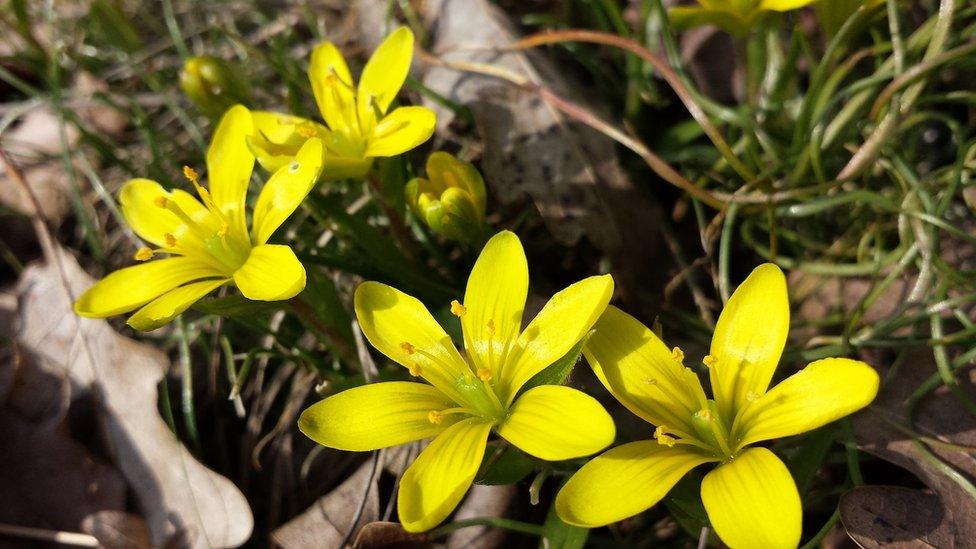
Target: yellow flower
(734, 16)
(214, 85)
(451, 201)
(464, 399)
(359, 126)
(207, 240)
(750, 497)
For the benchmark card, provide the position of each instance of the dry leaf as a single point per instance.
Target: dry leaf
(118, 530)
(895, 517)
(389, 535)
(329, 520)
(481, 501)
(176, 493)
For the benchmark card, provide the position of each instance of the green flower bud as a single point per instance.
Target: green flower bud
(214, 85)
(451, 200)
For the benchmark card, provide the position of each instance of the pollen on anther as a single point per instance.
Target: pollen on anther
(408, 348)
(435, 417)
(190, 174)
(457, 309)
(662, 437)
(709, 361)
(704, 414)
(143, 254)
(170, 240)
(484, 374)
(415, 370)
(161, 201)
(305, 131)
(677, 354)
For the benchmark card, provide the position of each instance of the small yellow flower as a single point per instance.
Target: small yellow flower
(464, 399)
(207, 240)
(751, 499)
(359, 126)
(734, 16)
(451, 200)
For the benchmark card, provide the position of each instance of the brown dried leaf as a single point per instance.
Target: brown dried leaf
(895, 517)
(328, 521)
(177, 494)
(481, 501)
(389, 535)
(118, 530)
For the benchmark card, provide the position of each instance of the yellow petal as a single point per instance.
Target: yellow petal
(401, 328)
(376, 416)
(434, 484)
(752, 502)
(332, 86)
(278, 137)
(165, 308)
(623, 482)
(230, 163)
(271, 273)
(565, 319)
(494, 300)
(639, 371)
(130, 288)
(286, 190)
(400, 131)
(824, 391)
(749, 338)
(138, 201)
(554, 423)
(383, 77)
(783, 5)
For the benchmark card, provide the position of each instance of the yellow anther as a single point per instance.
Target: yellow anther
(143, 254)
(677, 354)
(704, 414)
(331, 78)
(435, 417)
(662, 437)
(406, 347)
(709, 361)
(161, 201)
(306, 131)
(457, 309)
(190, 174)
(170, 240)
(491, 328)
(415, 370)
(484, 374)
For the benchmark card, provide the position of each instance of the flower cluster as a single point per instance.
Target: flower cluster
(492, 385)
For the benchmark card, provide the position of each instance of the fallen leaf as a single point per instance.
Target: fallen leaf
(329, 520)
(118, 530)
(895, 517)
(481, 501)
(389, 535)
(176, 493)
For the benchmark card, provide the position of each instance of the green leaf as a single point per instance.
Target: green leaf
(504, 464)
(557, 372)
(557, 534)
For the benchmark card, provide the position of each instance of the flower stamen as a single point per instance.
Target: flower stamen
(143, 254)
(457, 309)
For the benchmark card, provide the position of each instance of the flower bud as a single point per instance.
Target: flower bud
(451, 200)
(214, 85)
